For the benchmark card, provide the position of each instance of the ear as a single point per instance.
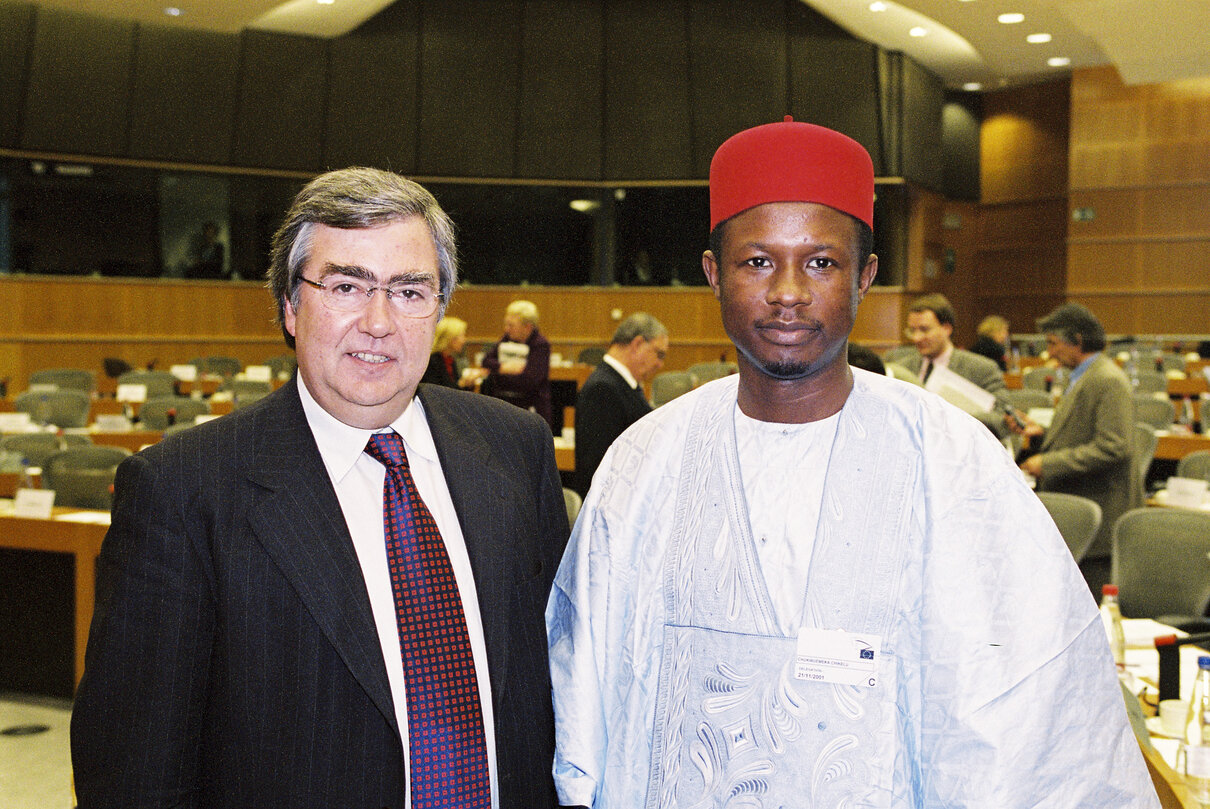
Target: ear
(289, 318)
(868, 272)
(710, 268)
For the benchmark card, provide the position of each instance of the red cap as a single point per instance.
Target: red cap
(1109, 589)
(791, 162)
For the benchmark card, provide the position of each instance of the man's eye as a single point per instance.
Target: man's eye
(759, 261)
(407, 293)
(345, 288)
(821, 263)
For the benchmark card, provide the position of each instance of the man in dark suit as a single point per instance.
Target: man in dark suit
(612, 397)
(1089, 448)
(246, 650)
(930, 327)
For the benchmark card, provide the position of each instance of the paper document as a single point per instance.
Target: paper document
(960, 392)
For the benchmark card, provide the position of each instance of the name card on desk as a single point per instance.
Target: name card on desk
(34, 503)
(131, 392)
(259, 373)
(185, 373)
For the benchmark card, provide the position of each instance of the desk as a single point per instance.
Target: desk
(9, 481)
(82, 541)
(1174, 446)
(133, 440)
(565, 456)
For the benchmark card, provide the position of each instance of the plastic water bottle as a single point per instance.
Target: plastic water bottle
(1111, 617)
(1197, 735)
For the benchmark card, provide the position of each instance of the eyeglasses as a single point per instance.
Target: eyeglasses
(342, 294)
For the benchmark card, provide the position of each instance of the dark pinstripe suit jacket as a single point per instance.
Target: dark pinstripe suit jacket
(233, 659)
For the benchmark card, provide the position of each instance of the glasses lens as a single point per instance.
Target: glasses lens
(348, 295)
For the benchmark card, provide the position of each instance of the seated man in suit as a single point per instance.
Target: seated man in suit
(1089, 447)
(257, 639)
(930, 327)
(612, 397)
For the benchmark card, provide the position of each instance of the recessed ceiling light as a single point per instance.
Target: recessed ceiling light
(584, 205)
(325, 2)
(173, 11)
(1058, 61)
(1011, 19)
(1037, 39)
(878, 5)
(918, 31)
(972, 86)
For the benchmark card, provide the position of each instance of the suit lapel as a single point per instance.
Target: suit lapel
(299, 523)
(479, 488)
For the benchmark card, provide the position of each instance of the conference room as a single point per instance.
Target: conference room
(148, 160)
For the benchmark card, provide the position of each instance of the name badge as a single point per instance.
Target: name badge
(836, 656)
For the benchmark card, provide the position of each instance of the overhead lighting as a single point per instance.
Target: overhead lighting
(877, 6)
(325, 2)
(1011, 19)
(918, 31)
(584, 205)
(1038, 39)
(173, 11)
(972, 87)
(1058, 61)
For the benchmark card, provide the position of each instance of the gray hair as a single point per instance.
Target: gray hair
(355, 198)
(1076, 325)
(639, 324)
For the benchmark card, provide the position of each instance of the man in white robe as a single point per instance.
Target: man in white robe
(811, 586)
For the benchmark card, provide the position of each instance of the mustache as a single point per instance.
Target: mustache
(793, 324)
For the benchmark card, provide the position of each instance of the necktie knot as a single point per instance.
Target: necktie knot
(387, 449)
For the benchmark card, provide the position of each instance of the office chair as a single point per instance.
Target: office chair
(707, 371)
(1161, 564)
(1149, 382)
(1195, 465)
(282, 364)
(1026, 398)
(1149, 409)
(62, 408)
(1077, 519)
(247, 390)
(82, 477)
(572, 501)
(34, 448)
(668, 385)
(65, 379)
(1146, 441)
(593, 355)
(1039, 377)
(158, 383)
(153, 413)
(225, 367)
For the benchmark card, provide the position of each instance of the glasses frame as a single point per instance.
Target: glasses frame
(438, 298)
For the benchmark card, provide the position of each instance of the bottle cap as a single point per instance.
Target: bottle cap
(1203, 662)
(1109, 590)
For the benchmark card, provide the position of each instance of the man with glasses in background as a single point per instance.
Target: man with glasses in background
(333, 597)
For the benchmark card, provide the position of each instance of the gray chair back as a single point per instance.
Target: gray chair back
(34, 448)
(62, 408)
(247, 390)
(282, 364)
(159, 383)
(153, 413)
(65, 378)
(668, 385)
(572, 502)
(82, 477)
(1077, 519)
(1161, 563)
(1149, 409)
(1194, 465)
(1149, 382)
(707, 371)
(222, 366)
(1145, 443)
(1025, 398)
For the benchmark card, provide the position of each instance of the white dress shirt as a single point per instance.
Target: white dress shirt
(358, 480)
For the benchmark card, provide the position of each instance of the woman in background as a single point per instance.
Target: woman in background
(446, 363)
(993, 340)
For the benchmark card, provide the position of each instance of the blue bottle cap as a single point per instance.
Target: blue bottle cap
(1203, 662)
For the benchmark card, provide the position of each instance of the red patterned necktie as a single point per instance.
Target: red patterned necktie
(448, 751)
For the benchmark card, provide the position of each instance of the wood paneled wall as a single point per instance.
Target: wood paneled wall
(77, 322)
(1139, 249)
(1021, 259)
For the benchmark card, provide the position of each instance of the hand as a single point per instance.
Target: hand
(1032, 466)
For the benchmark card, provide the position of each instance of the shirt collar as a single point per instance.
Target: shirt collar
(341, 446)
(1079, 370)
(618, 366)
(943, 359)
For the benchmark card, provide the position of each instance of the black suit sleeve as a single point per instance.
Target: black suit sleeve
(601, 416)
(136, 728)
